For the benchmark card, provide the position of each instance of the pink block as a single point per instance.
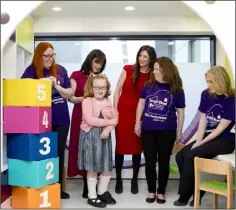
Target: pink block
(26, 119)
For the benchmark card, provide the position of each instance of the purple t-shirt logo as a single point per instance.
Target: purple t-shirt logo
(213, 117)
(217, 108)
(158, 105)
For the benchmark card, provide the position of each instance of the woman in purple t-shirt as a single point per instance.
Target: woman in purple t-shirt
(160, 99)
(44, 67)
(214, 135)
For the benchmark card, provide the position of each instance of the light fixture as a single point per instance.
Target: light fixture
(129, 8)
(210, 2)
(170, 43)
(56, 9)
(77, 43)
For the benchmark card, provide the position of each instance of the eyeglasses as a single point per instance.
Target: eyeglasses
(49, 56)
(100, 88)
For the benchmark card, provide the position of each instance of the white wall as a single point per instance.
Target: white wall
(162, 25)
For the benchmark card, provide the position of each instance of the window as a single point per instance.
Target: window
(180, 50)
(192, 55)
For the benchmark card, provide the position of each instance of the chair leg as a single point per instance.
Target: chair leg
(230, 202)
(215, 201)
(196, 198)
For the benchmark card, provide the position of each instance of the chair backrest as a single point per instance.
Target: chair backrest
(177, 148)
(212, 166)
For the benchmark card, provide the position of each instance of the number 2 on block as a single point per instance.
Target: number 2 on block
(45, 200)
(41, 93)
(45, 119)
(49, 167)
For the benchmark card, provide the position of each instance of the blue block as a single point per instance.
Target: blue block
(32, 147)
(33, 174)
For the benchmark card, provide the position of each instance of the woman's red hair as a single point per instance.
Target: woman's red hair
(38, 60)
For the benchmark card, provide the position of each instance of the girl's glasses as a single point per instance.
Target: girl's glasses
(100, 88)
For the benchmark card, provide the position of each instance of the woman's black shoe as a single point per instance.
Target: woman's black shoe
(202, 193)
(85, 190)
(134, 186)
(180, 203)
(119, 186)
(107, 198)
(95, 202)
(192, 203)
(64, 195)
(85, 193)
(150, 200)
(161, 201)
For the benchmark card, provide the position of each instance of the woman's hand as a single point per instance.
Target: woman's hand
(54, 81)
(197, 144)
(179, 137)
(137, 129)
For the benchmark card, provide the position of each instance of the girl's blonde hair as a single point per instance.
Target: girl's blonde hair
(88, 89)
(221, 78)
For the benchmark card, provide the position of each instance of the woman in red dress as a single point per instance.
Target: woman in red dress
(126, 97)
(94, 63)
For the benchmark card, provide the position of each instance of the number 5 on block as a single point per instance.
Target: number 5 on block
(26, 92)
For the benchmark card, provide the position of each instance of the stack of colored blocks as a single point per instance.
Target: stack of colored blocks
(33, 163)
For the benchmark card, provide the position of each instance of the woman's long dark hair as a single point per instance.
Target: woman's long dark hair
(152, 56)
(86, 67)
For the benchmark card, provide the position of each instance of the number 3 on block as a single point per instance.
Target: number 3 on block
(41, 93)
(47, 148)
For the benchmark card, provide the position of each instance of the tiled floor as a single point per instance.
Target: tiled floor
(127, 199)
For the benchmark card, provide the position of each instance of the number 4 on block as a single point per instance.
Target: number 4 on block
(19, 119)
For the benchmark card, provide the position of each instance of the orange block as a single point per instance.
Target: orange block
(46, 197)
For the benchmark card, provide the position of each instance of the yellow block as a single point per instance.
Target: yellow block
(27, 92)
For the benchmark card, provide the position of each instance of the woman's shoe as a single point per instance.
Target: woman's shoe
(85, 193)
(85, 189)
(202, 193)
(96, 202)
(119, 186)
(161, 200)
(134, 186)
(150, 200)
(180, 203)
(64, 195)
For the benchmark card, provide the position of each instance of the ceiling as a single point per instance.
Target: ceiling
(113, 8)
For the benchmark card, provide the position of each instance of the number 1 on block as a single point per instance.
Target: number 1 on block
(45, 200)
